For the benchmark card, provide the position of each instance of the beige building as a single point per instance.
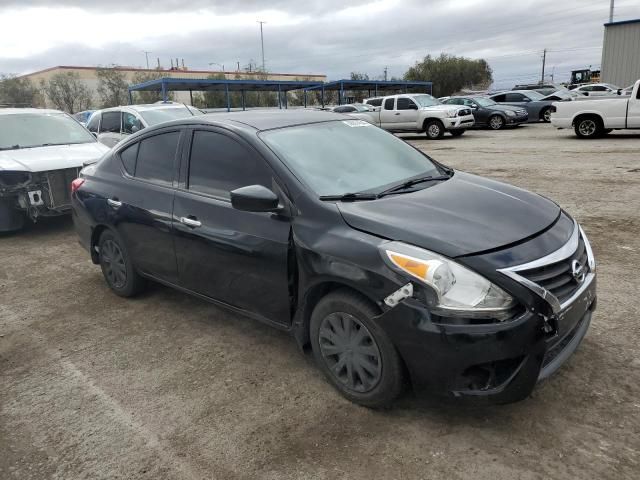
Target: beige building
(89, 76)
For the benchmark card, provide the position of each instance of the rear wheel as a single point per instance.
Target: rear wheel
(496, 122)
(434, 129)
(117, 267)
(588, 127)
(545, 115)
(456, 133)
(355, 355)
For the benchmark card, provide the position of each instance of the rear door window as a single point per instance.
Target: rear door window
(110, 122)
(156, 158)
(514, 97)
(499, 98)
(219, 164)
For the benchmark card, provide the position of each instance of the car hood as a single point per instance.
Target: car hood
(444, 108)
(54, 157)
(464, 215)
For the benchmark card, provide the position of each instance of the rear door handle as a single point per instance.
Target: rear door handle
(190, 222)
(114, 203)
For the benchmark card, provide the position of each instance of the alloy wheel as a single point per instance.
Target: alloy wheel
(433, 131)
(350, 352)
(587, 127)
(113, 261)
(546, 115)
(496, 122)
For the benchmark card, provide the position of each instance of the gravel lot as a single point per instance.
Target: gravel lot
(167, 386)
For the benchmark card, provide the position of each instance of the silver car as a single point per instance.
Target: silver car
(537, 107)
(113, 124)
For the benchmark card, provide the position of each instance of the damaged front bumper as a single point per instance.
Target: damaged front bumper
(34, 194)
(485, 363)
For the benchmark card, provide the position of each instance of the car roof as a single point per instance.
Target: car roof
(43, 111)
(260, 119)
(144, 107)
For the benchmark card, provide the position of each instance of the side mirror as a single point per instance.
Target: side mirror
(254, 198)
(474, 106)
(526, 99)
(95, 134)
(135, 128)
(413, 106)
(619, 91)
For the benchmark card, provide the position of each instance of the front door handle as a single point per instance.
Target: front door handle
(190, 222)
(114, 202)
(397, 113)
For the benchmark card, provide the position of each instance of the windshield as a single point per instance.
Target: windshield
(534, 95)
(159, 115)
(27, 130)
(347, 156)
(484, 102)
(426, 100)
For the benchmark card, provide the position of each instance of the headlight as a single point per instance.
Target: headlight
(511, 113)
(452, 113)
(457, 290)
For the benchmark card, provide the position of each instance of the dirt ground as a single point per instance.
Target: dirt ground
(166, 386)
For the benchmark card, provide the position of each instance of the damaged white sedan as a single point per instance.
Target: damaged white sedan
(41, 152)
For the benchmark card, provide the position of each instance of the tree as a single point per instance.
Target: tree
(112, 87)
(67, 92)
(150, 96)
(18, 91)
(359, 76)
(449, 73)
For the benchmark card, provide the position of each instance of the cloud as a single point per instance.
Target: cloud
(319, 37)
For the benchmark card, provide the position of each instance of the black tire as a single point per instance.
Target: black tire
(117, 267)
(456, 133)
(353, 352)
(607, 131)
(434, 129)
(545, 115)
(588, 127)
(496, 122)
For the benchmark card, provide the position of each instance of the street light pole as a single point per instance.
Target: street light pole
(146, 55)
(262, 43)
(611, 11)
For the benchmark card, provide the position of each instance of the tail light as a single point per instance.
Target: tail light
(76, 184)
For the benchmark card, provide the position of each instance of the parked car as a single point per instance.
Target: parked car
(353, 108)
(41, 152)
(419, 113)
(83, 117)
(598, 90)
(564, 95)
(386, 262)
(488, 113)
(593, 118)
(113, 124)
(538, 108)
(374, 102)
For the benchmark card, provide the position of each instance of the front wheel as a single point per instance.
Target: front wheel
(496, 122)
(117, 266)
(588, 127)
(545, 115)
(353, 352)
(456, 133)
(434, 130)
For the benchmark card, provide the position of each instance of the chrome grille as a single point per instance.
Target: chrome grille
(557, 277)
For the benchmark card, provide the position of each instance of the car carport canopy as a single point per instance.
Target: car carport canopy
(166, 85)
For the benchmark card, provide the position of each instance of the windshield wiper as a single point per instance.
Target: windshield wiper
(410, 183)
(350, 197)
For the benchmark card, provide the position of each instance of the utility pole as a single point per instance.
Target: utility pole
(544, 60)
(385, 73)
(611, 11)
(146, 55)
(262, 43)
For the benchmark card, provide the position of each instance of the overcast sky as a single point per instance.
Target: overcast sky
(309, 36)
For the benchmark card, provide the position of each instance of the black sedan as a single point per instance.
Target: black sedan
(388, 264)
(491, 114)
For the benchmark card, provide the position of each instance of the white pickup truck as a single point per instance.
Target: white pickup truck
(419, 113)
(597, 117)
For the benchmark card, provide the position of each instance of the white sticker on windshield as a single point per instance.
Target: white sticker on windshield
(356, 123)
